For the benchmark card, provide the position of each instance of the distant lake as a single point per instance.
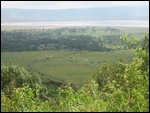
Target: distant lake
(122, 23)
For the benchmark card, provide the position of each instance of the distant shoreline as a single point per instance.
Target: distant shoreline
(107, 23)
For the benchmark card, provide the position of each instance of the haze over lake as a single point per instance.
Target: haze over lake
(123, 23)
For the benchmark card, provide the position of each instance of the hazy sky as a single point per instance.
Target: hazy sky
(69, 4)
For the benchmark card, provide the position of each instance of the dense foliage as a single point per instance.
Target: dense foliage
(18, 75)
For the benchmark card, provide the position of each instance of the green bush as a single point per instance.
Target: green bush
(18, 75)
(23, 100)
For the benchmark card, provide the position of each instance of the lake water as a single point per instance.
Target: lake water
(122, 23)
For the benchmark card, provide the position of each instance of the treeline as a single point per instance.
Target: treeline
(64, 38)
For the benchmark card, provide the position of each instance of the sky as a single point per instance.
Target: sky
(69, 4)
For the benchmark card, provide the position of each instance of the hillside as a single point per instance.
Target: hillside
(41, 15)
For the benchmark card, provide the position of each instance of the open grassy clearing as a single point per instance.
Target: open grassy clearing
(63, 65)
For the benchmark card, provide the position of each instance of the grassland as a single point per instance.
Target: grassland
(63, 65)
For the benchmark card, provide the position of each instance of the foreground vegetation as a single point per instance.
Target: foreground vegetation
(115, 87)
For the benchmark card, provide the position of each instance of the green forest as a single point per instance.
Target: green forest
(80, 38)
(74, 69)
